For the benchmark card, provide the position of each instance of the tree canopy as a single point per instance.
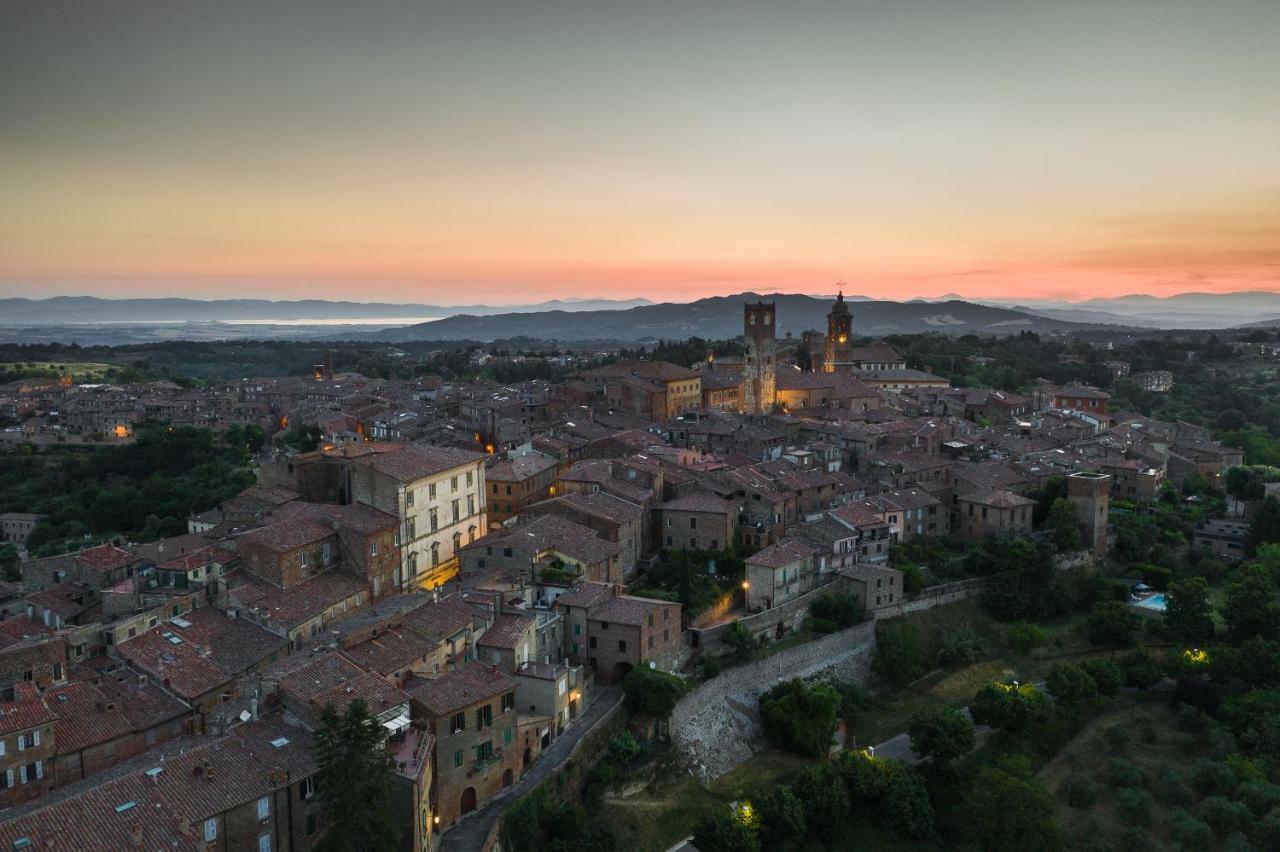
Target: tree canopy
(354, 781)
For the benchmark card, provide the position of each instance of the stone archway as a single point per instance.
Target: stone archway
(468, 803)
(507, 778)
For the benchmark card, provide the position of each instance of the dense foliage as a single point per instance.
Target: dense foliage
(140, 491)
(355, 782)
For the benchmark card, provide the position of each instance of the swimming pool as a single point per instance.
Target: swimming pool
(1155, 602)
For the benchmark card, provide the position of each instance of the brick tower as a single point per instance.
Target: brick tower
(839, 354)
(1091, 493)
(760, 366)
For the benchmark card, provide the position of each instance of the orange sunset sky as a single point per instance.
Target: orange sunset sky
(513, 152)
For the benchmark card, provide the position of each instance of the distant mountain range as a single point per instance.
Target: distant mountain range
(64, 310)
(721, 317)
(1185, 310)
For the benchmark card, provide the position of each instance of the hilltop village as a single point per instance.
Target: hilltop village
(483, 565)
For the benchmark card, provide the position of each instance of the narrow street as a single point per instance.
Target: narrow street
(469, 835)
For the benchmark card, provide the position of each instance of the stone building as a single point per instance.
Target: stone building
(1090, 492)
(838, 355)
(760, 365)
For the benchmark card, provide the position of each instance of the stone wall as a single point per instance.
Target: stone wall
(791, 614)
(945, 593)
(717, 726)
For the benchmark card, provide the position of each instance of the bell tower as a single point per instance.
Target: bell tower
(760, 365)
(839, 355)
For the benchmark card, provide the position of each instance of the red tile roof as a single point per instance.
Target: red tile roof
(466, 685)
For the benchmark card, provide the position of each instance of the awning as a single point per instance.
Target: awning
(397, 724)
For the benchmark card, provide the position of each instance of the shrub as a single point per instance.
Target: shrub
(960, 647)
(822, 625)
(1238, 842)
(719, 831)
(941, 735)
(711, 665)
(1010, 707)
(900, 653)
(742, 641)
(650, 692)
(1211, 777)
(1132, 838)
(1105, 673)
(1081, 792)
(1171, 790)
(1025, 636)
(843, 608)
(1140, 670)
(1113, 624)
(1071, 685)
(1135, 805)
(1225, 816)
(781, 816)
(1156, 576)
(800, 716)
(1122, 773)
(1258, 796)
(1267, 831)
(1189, 832)
(853, 700)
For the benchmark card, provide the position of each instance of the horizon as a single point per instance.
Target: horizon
(520, 153)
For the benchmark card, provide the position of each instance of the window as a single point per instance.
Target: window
(453, 484)
(431, 491)
(408, 497)
(693, 523)
(591, 643)
(470, 477)
(622, 644)
(507, 735)
(577, 631)
(484, 751)
(459, 723)
(435, 554)
(435, 520)
(508, 701)
(484, 716)
(210, 830)
(311, 824)
(264, 808)
(471, 504)
(264, 843)
(457, 513)
(457, 757)
(307, 788)
(327, 551)
(373, 549)
(304, 559)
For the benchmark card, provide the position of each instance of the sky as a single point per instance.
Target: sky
(464, 152)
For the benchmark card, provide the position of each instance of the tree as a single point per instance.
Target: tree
(742, 641)
(1005, 812)
(1071, 685)
(842, 608)
(1063, 526)
(537, 823)
(1188, 617)
(650, 692)
(900, 653)
(1139, 669)
(801, 716)
(10, 563)
(1264, 527)
(1010, 706)
(1113, 624)
(1105, 673)
(941, 736)
(1251, 608)
(781, 816)
(354, 781)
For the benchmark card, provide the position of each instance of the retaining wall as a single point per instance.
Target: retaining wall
(717, 726)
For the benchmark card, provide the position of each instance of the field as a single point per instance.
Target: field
(79, 370)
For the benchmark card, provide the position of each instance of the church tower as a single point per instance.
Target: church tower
(760, 366)
(839, 354)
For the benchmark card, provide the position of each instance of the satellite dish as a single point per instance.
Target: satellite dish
(244, 716)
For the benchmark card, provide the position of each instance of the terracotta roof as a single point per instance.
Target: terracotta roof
(998, 499)
(301, 602)
(520, 468)
(586, 595)
(136, 806)
(105, 558)
(210, 652)
(290, 534)
(468, 684)
(506, 631)
(783, 553)
(627, 609)
(333, 679)
(418, 461)
(700, 501)
(27, 710)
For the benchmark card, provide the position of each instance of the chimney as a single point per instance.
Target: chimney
(253, 709)
(435, 595)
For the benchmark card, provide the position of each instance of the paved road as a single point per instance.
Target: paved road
(469, 835)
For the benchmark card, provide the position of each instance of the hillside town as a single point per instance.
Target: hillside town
(481, 565)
